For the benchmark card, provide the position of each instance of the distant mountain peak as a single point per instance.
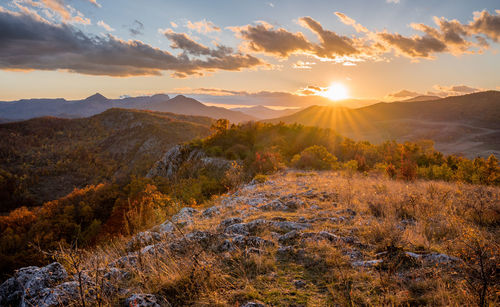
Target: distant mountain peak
(160, 96)
(180, 96)
(96, 97)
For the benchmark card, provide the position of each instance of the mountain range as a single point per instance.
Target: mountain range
(97, 103)
(466, 124)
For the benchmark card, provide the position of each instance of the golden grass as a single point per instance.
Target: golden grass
(392, 217)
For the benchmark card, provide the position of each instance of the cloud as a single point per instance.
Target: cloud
(351, 22)
(211, 91)
(233, 97)
(403, 94)
(52, 8)
(332, 44)
(136, 28)
(392, 1)
(184, 42)
(279, 42)
(447, 36)
(450, 36)
(29, 43)
(456, 89)
(303, 65)
(438, 90)
(203, 26)
(415, 46)
(94, 2)
(486, 24)
(173, 24)
(104, 25)
(332, 47)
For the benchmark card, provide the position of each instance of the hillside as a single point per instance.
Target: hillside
(97, 103)
(262, 112)
(46, 158)
(297, 239)
(422, 98)
(465, 124)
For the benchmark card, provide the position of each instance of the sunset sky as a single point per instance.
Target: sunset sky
(237, 51)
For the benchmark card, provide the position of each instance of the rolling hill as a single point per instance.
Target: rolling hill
(46, 158)
(262, 112)
(97, 103)
(465, 124)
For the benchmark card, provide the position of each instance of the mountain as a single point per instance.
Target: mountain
(46, 158)
(262, 112)
(422, 98)
(97, 103)
(465, 124)
(184, 105)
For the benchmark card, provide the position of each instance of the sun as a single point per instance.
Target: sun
(336, 91)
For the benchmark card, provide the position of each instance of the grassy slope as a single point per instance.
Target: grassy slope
(391, 217)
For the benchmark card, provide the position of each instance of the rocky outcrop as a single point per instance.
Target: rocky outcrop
(173, 159)
(34, 286)
(51, 286)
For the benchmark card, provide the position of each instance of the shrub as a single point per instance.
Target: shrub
(260, 178)
(315, 157)
(267, 162)
(351, 166)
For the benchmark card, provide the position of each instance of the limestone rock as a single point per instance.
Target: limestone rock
(141, 300)
(30, 285)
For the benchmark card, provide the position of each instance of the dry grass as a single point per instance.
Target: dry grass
(392, 217)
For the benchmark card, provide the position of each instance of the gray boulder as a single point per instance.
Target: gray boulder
(141, 300)
(251, 241)
(184, 216)
(274, 205)
(210, 212)
(142, 239)
(228, 222)
(29, 286)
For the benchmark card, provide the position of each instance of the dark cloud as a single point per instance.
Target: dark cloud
(136, 28)
(332, 44)
(282, 43)
(447, 36)
(452, 33)
(264, 38)
(486, 24)
(450, 36)
(184, 42)
(29, 43)
(461, 89)
(403, 94)
(414, 47)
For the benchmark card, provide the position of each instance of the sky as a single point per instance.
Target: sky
(249, 51)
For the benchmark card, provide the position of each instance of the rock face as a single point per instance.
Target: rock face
(34, 286)
(174, 158)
